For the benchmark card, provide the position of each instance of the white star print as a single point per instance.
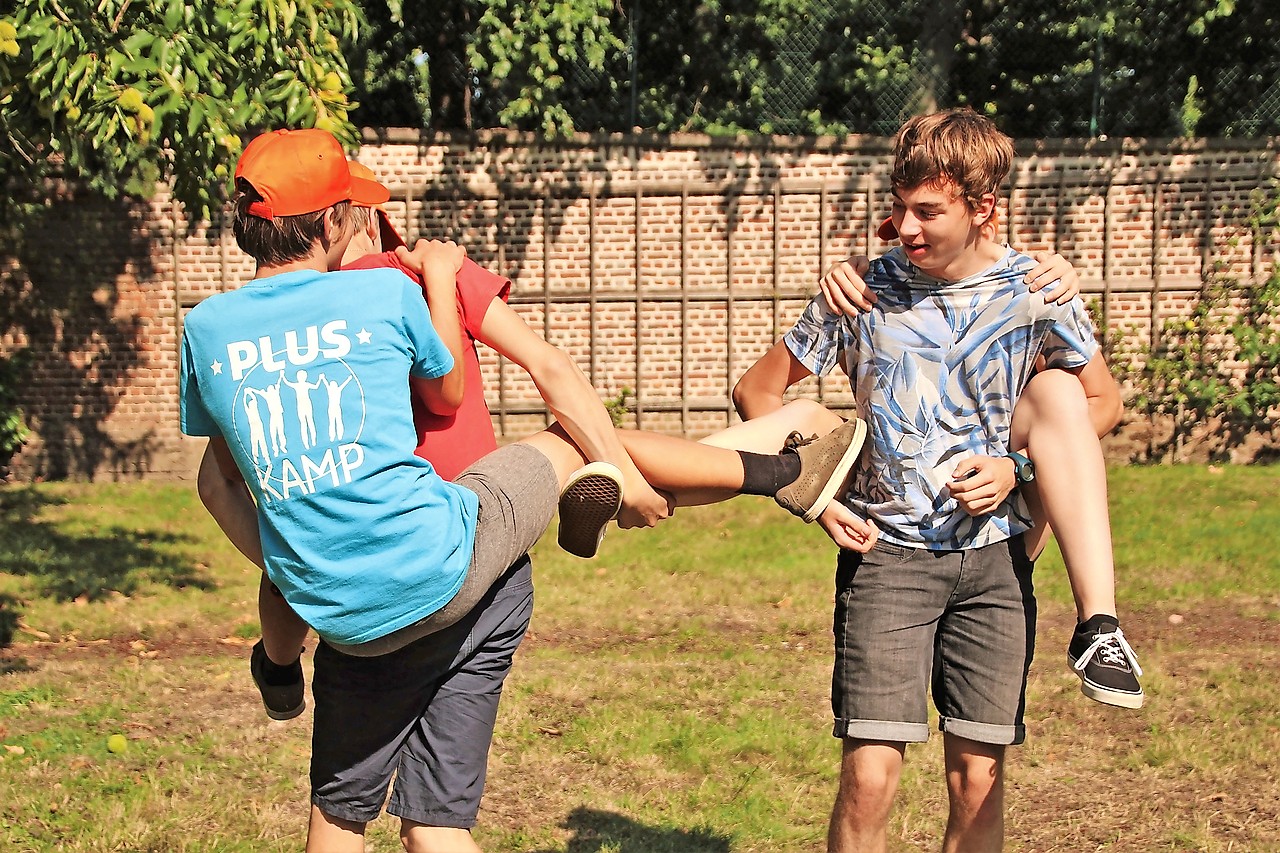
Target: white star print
(217, 368)
(364, 336)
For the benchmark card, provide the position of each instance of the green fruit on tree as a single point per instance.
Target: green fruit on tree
(130, 100)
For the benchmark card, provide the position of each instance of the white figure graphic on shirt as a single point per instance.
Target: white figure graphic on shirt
(257, 433)
(334, 391)
(306, 412)
(275, 410)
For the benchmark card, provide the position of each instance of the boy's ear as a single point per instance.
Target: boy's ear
(332, 230)
(986, 210)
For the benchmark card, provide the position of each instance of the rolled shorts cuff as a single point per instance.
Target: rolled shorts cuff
(984, 732)
(426, 817)
(345, 811)
(886, 730)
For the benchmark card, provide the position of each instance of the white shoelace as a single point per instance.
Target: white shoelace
(1113, 648)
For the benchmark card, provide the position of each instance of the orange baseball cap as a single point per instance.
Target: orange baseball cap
(302, 171)
(390, 237)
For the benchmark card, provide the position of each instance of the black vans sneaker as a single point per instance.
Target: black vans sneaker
(1107, 666)
(282, 701)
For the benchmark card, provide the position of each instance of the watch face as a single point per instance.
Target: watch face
(1026, 472)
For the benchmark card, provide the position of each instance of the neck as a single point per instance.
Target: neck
(317, 261)
(976, 257)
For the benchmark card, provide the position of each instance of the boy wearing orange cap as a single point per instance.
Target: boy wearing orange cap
(366, 542)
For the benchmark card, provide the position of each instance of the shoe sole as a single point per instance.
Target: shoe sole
(1105, 695)
(281, 716)
(840, 474)
(263, 688)
(589, 501)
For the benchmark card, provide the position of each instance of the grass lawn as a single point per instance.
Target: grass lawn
(672, 696)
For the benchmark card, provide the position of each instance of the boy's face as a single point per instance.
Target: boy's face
(939, 231)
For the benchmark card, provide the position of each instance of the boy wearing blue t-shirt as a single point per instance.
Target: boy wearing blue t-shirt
(940, 597)
(365, 541)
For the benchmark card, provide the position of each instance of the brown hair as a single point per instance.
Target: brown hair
(359, 217)
(957, 146)
(272, 242)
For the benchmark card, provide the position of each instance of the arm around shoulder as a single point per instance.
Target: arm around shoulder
(761, 388)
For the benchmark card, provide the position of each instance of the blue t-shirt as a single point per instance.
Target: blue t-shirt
(936, 369)
(306, 376)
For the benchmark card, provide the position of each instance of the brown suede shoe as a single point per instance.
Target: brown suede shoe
(824, 464)
(589, 501)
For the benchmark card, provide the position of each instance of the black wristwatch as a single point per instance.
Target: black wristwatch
(1024, 470)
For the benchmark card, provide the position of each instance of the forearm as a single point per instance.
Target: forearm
(1104, 414)
(1102, 394)
(232, 507)
(760, 390)
(442, 302)
(577, 408)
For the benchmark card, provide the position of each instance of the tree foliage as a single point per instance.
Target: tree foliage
(120, 93)
(468, 64)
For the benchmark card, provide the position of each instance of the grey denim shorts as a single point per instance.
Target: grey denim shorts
(418, 720)
(908, 618)
(519, 494)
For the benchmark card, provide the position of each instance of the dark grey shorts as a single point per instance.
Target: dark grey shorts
(906, 617)
(519, 494)
(424, 713)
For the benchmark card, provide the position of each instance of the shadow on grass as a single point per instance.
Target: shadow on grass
(66, 566)
(595, 830)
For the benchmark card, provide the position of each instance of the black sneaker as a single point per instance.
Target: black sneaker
(282, 701)
(1107, 666)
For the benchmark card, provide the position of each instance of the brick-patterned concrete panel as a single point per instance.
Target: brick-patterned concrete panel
(755, 220)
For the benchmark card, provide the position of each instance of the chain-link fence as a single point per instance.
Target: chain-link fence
(1080, 68)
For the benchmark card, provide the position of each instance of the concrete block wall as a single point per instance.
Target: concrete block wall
(666, 266)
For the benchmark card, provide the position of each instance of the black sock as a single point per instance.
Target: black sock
(277, 676)
(765, 474)
(1095, 622)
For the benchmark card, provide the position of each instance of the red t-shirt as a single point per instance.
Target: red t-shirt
(452, 442)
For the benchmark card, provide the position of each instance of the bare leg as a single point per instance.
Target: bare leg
(670, 464)
(1070, 492)
(417, 838)
(766, 433)
(327, 834)
(672, 467)
(283, 631)
(975, 786)
(869, 774)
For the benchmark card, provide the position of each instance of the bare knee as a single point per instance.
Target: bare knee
(817, 418)
(1052, 400)
(869, 776)
(417, 838)
(974, 771)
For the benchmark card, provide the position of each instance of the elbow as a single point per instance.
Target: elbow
(753, 398)
(1113, 416)
(451, 395)
(739, 396)
(556, 369)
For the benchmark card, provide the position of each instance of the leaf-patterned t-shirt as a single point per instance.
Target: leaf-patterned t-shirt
(936, 368)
